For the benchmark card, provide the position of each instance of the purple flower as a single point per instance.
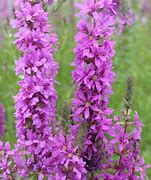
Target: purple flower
(5, 161)
(65, 159)
(42, 148)
(62, 161)
(4, 13)
(36, 100)
(92, 7)
(12, 162)
(125, 18)
(50, 2)
(93, 77)
(85, 104)
(146, 7)
(142, 168)
(126, 144)
(53, 155)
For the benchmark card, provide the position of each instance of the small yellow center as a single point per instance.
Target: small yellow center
(95, 77)
(64, 148)
(100, 111)
(90, 37)
(70, 155)
(2, 152)
(88, 104)
(81, 116)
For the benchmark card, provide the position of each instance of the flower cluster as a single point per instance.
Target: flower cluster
(146, 11)
(4, 163)
(50, 1)
(125, 20)
(4, 13)
(36, 100)
(125, 144)
(93, 77)
(43, 150)
(49, 153)
(12, 162)
(125, 17)
(1, 120)
(65, 161)
(146, 6)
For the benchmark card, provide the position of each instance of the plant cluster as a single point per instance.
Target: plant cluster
(96, 145)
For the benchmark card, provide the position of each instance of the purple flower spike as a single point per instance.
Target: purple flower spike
(125, 17)
(36, 100)
(126, 145)
(95, 146)
(93, 77)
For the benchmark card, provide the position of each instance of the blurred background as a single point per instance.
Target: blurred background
(133, 58)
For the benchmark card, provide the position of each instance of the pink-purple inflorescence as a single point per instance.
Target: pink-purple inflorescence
(50, 2)
(93, 77)
(125, 160)
(109, 148)
(46, 154)
(146, 7)
(36, 100)
(124, 18)
(65, 162)
(4, 15)
(4, 11)
(5, 161)
(146, 11)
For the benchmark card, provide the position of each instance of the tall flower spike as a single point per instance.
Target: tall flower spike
(126, 146)
(93, 77)
(36, 100)
(125, 16)
(126, 159)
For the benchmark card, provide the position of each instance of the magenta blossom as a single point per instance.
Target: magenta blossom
(65, 159)
(126, 145)
(53, 154)
(4, 11)
(85, 104)
(5, 161)
(50, 2)
(93, 77)
(36, 100)
(125, 17)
